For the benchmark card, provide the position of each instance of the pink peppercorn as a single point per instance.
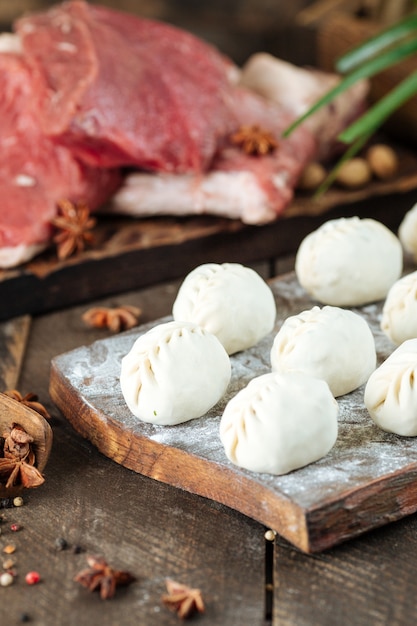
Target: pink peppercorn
(32, 578)
(15, 527)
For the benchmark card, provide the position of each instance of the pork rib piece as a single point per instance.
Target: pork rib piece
(295, 89)
(255, 189)
(34, 172)
(120, 90)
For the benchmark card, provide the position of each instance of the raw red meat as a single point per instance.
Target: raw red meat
(121, 90)
(255, 189)
(34, 172)
(87, 90)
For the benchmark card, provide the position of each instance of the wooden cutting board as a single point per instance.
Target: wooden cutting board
(133, 253)
(367, 480)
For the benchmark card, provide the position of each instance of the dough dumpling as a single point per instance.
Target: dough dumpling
(229, 300)
(279, 423)
(331, 343)
(174, 373)
(407, 232)
(349, 261)
(391, 391)
(399, 313)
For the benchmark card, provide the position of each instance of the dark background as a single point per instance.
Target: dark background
(237, 27)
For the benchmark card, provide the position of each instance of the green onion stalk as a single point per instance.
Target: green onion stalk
(378, 53)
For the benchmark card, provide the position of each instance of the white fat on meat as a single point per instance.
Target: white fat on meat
(16, 255)
(9, 42)
(236, 195)
(292, 87)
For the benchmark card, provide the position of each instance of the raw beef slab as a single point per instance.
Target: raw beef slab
(269, 93)
(87, 91)
(120, 90)
(35, 173)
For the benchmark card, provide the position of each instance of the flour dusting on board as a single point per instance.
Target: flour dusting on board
(362, 453)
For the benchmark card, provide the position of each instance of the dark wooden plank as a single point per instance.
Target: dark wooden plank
(130, 254)
(368, 479)
(137, 523)
(13, 337)
(367, 582)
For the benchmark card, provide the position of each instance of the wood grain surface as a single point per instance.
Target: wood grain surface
(367, 480)
(136, 523)
(155, 530)
(13, 338)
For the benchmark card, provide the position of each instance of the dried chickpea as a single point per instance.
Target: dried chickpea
(312, 176)
(382, 160)
(354, 173)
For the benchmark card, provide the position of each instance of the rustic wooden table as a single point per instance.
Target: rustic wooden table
(139, 524)
(157, 531)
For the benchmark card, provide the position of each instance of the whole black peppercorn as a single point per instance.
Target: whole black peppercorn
(77, 549)
(61, 543)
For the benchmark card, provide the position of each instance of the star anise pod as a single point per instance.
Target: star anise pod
(115, 319)
(30, 400)
(183, 600)
(18, 462)
(74, 224)
(254, 140)
(20, 473)
(99, 576)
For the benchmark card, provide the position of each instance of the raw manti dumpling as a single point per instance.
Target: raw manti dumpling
(174, 373)
(407, 232)
(229, 300)
(391, 391)
(331, 343)
(399, 313)
(279, 423)
(349, 261)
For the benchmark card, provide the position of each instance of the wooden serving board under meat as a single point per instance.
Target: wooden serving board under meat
(135, 253)
(368, 479)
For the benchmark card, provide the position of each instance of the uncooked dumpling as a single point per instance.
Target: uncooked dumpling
(391, 391)
(349, 261)
(174, 373)
(407, 232)
(331, 343)
(399, 313)
(279, 423)
(229, 300)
